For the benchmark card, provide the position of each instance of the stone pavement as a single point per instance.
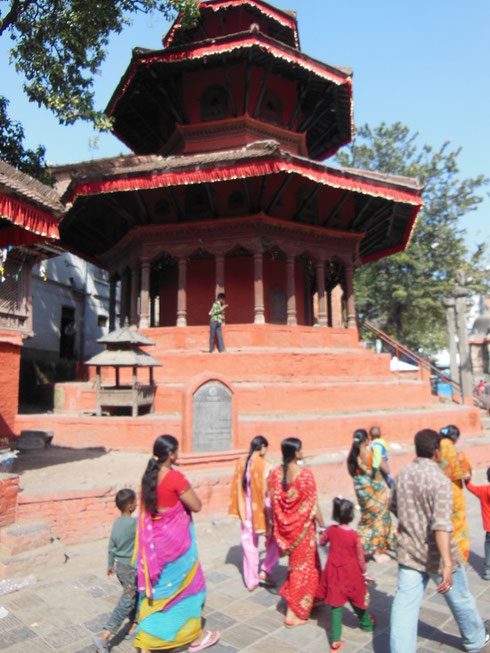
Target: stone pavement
(65, 605)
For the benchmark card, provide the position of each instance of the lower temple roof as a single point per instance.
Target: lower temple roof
(119, 194)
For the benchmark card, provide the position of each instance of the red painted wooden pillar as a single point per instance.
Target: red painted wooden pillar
(259, 313)
(112, 302)
(291, 291)
(320, 284)
(145, 295)
(349, 292)
(220, 274)
(123, 305)
(182, 293)
(133, 317)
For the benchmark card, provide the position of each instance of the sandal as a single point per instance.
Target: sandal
(251, 588)
(210, 639)
(266, 580)
(336, 646)
(100, 646)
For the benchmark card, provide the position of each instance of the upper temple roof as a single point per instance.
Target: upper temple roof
(220, 17)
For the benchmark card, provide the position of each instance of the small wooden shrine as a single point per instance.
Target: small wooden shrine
(123, 351)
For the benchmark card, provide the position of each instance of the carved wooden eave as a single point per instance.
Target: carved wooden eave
(252, 233)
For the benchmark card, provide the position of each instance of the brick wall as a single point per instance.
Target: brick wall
(9, 490)
(9, 381)
(74, 517)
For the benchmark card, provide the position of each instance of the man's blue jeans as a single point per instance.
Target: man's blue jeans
(406, 606)
(215, 333)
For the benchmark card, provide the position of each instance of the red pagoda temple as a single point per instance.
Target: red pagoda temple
(226, 191)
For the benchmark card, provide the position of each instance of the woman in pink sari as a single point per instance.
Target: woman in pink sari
(170, 579)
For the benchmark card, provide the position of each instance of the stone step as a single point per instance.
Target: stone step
(21, 537)
(52, 554)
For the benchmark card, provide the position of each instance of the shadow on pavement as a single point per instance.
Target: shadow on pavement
(53, 455)
(477, 562)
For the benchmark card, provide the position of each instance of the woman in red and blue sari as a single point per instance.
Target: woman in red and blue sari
(170, 579)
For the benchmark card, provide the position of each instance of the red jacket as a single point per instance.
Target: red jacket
(483, 493)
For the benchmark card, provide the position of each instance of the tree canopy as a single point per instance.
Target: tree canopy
(402, 294)
(58, 46)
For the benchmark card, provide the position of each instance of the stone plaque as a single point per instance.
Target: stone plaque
(212, 418)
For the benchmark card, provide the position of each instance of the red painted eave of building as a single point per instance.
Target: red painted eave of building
(241, 170)
(29, 224)
(225, 45)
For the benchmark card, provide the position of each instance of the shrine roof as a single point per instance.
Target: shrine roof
(124, 358)
(127, 335)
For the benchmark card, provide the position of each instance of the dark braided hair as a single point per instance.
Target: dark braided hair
(256, 445)
(360, 436)
(289, 448)
(164, 445)
(452, 432)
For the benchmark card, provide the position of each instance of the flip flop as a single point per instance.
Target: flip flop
(210, 639)
(100, 646)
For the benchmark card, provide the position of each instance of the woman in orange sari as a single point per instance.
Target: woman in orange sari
(295, 509)
(456, 467)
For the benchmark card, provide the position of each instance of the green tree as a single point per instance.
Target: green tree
(13, 151)
(58, 46)
(402, 293)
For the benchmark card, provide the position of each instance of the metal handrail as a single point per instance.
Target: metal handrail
(399, 348)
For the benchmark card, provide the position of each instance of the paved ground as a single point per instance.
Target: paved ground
(65, 605)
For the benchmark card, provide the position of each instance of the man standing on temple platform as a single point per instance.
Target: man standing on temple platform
(422, 500)
(217, 314)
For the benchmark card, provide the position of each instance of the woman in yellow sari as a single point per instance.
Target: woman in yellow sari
(456, 466)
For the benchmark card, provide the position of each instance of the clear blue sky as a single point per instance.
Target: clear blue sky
(424, 63)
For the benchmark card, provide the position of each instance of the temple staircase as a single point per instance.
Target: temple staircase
(319, 384)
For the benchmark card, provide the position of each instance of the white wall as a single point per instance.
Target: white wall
(73, 282)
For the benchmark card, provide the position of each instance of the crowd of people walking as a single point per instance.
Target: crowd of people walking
(164, 587)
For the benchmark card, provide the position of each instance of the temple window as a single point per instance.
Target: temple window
(197, 203)
(214, 104)
(271, 108)
(236, 202)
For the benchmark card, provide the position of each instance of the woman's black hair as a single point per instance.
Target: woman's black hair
(289, 449)
(359, 437)
(256, 445)
(451, 431)
(342, 511)
(164, 445)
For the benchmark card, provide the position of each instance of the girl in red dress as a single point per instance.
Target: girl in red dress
(344, 577)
